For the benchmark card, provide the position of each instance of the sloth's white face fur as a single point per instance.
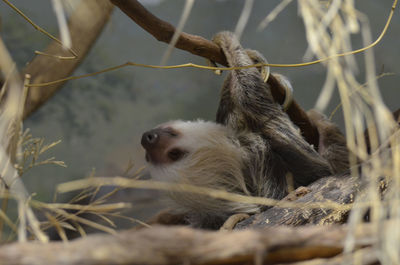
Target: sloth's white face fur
(199, 153)
(206, 149)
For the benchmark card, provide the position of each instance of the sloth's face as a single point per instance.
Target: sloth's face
(196, 150)
(174, 141)
(199, 153)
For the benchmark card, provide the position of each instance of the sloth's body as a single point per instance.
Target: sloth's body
(249, 150)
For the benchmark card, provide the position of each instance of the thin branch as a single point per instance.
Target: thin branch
(74, 55)
(184, 17)
(244, 18)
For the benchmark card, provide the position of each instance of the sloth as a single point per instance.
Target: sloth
(251, 149)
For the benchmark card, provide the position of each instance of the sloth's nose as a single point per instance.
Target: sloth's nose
(150, 138)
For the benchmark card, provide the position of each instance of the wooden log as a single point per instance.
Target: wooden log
(183, 245)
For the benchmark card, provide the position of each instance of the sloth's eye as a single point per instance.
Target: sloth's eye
(175, 154)
(171, 132)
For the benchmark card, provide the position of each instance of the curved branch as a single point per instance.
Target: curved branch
(163, 31)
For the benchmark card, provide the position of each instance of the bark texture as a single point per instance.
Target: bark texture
(183, 245)
(339, 189)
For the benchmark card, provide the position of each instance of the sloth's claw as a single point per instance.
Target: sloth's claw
(231, 222)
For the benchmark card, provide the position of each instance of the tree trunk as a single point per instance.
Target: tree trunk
(85, 25)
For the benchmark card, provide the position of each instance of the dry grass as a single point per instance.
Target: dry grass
(329, 27)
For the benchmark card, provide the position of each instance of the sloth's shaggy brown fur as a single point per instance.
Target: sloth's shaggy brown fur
(249, 150)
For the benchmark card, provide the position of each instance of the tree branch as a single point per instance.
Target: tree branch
(85, 25)
(183, 245)
(340, 189)
(163, 31)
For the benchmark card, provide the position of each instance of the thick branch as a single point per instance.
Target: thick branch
(339, 189)
(183, 245)
(163, 31)
(85, 25)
